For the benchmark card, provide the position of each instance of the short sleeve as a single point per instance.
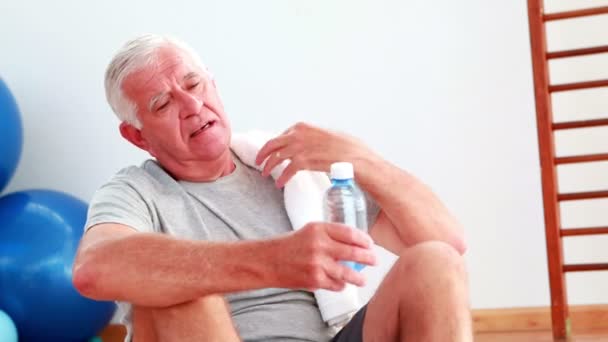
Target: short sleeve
(119, 201)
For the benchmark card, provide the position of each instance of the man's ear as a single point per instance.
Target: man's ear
(133, 135)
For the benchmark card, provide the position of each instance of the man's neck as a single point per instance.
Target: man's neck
(202, 171)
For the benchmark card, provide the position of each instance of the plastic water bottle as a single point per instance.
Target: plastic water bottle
(344, 202)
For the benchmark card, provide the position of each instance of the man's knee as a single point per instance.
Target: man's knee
(207, 315)
(432, 259)
(213, 304)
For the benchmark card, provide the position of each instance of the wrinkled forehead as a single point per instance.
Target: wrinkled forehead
(170, 62)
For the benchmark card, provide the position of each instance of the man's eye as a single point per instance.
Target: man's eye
(163, 106)
(192, 86)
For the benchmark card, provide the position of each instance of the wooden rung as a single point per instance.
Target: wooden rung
(577, 52)
(578, 85)
(585, 267)
(582, 195)
(583, 231)
(580, 124)
(576, 13)
(581, 159)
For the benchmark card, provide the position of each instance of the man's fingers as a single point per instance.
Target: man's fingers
(335, 284)
(344, 252)
(289, 172)
(289, 130)
(275, 158)
(271, 146)
(340, 272)
(348, 235)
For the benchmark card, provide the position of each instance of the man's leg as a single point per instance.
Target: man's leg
(424, 297)
(204, 319)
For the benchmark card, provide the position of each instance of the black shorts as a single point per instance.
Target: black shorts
(353, 331)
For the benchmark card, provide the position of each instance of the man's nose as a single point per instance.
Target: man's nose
(191, 104)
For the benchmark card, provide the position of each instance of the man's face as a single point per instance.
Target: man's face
(182, 116)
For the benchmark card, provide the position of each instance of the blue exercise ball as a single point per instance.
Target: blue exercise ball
(11, 136)
(8, 330)
(39, 234)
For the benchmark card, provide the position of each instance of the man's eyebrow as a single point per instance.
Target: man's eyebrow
(191, 75)
(158, 96)
(154, 99)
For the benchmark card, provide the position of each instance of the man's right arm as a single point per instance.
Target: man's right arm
(116, 262)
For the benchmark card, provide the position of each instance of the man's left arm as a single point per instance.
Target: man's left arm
(410, 212)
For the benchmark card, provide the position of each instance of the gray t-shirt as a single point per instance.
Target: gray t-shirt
(240, 206)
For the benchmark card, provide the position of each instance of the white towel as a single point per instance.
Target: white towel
(303, 195)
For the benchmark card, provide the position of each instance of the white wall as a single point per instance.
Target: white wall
(442, 88)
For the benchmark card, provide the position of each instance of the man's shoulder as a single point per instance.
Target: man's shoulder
(135, 173)
(148, 176)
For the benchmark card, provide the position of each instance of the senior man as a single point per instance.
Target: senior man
(200, 247)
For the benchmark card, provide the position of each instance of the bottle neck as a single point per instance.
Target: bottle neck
(348, 181)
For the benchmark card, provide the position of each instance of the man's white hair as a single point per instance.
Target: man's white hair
(134, 55)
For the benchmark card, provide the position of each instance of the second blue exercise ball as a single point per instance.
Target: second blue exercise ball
(39, 234)
(11, 135)
(8, 330)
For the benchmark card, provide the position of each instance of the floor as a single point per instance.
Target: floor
(539, 336)
(115, 333)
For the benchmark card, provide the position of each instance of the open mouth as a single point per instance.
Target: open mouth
(205, 127)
